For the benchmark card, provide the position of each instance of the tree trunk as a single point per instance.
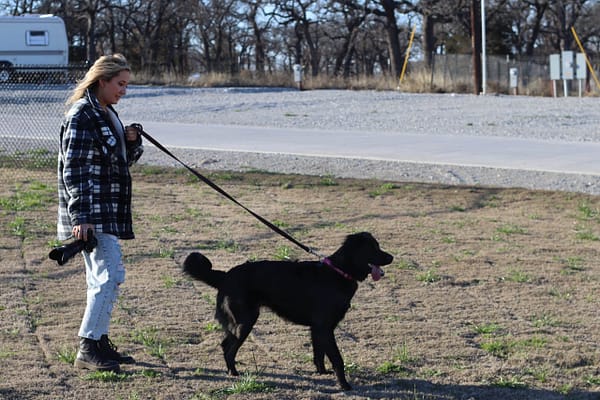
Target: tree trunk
(393, 33)
(429, 41)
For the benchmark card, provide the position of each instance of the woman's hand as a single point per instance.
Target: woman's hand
(80, 232)
(131, 133)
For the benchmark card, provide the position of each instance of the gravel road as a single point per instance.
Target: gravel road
(570, 119)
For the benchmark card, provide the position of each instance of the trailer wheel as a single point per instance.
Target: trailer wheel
(5, 73)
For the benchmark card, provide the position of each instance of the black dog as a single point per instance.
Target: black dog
(315, 294)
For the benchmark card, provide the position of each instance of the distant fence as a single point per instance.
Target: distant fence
(454, 72)
(32, 104)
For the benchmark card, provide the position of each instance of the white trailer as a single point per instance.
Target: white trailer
(32, 40)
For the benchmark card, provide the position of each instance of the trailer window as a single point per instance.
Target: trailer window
(37, 38)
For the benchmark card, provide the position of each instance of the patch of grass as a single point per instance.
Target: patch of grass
(248, 383)
(105, 376)
(448, 239)
(351, 367)
(536, 342)
(150, 373)
(149, 338)
(54, 243)
(511, 229)
(586, 211)
(225, 176)
(280, 224)
(283, 253)
(586, 234)
(540, 375)
(212, 327)
(572, 265)
(565, 389)
(401, 356)
(390, 367)
(512, 382)
(229, 246)
(66, 355)
(210, 299)
(6, 354)
(17, 226)
(518, 276)
(593, 380)
(327, 181)
(12, 333)
(544, 320)
(381, 190)
(165, 253)
(429, 276)
(555, 292)
(487, 329)
(169, 281)
(34, 196)
(32, 318)
(500, 348)
(169, 229)
(405, 264)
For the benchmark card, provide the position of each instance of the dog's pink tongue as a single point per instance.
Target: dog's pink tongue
(376, 272)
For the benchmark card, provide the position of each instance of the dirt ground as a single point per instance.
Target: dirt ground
(493, 293)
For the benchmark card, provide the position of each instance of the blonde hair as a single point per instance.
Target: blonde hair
(106, 68)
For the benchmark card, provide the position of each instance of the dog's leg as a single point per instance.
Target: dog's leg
(324, 339)
(233, 341)
(318, 352)
(226, 345)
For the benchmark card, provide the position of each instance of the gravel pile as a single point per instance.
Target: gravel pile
(570, 119)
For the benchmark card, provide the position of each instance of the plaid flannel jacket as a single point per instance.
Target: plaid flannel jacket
(94, 184)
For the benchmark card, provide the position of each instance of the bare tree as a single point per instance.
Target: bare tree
(387, 11)
(216, 24)
(19, 7)
(259, 24)
(435, 15)
(303, 16)
(344, 20)
(339, 37)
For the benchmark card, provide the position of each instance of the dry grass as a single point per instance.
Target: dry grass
(493, 293)
(418, 80)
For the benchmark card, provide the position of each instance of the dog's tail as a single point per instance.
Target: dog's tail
(199, 267)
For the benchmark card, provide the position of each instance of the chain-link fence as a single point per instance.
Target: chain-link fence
(454, 73)
(32, 104)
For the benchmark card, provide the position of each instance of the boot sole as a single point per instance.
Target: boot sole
(95, 367)
(126, 360)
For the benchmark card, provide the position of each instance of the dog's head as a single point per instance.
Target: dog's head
(360, 256)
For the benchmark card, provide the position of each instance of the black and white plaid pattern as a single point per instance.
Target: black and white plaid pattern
(94, 184)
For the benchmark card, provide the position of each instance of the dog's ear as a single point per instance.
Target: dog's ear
(359, 239)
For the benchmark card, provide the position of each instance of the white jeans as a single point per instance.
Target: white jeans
(104, 272)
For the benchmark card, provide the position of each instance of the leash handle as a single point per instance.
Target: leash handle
(217, 188)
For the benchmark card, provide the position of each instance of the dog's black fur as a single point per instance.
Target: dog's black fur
(306, 293)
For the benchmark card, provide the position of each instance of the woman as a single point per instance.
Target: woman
(94, 187)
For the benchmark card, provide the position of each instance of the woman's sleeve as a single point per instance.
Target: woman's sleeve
(78, 149)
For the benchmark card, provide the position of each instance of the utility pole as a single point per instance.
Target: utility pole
(483, 51)
(476, 45)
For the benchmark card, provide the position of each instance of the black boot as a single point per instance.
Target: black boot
(90, 357)
(109, 351)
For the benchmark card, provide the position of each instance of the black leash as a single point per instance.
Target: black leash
(224, 193)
